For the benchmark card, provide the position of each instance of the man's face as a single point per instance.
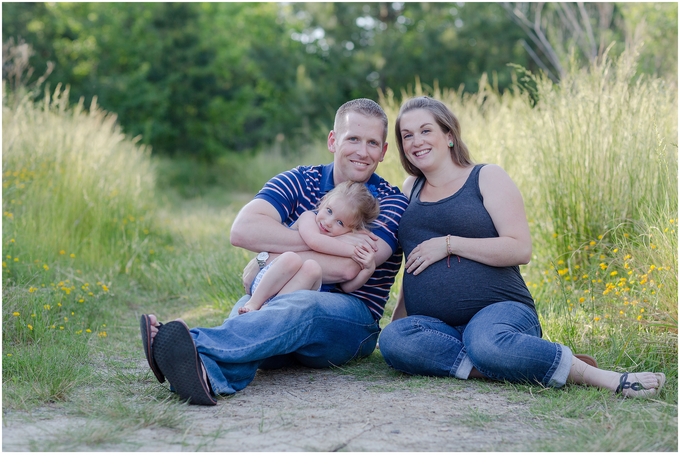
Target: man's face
(358, 147)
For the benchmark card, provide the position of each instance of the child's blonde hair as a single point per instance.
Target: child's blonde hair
(364, 204)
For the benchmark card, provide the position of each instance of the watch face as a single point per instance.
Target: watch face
(263, 256)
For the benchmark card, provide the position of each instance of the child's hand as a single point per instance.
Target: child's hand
(364, 256)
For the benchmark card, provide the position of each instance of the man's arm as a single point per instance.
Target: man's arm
(258, 227)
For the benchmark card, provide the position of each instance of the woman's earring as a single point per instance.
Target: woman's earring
(451, 144)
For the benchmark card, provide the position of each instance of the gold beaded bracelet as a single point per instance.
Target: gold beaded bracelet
(449, 252)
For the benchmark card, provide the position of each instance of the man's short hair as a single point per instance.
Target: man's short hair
(364, 106)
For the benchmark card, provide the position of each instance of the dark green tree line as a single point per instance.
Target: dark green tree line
(200, 79)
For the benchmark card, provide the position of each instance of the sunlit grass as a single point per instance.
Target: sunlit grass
(73, 184)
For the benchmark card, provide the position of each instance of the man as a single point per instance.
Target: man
(316, 329)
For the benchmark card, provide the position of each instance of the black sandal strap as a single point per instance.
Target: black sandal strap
(624, 384)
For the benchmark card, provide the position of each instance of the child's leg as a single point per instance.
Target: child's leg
(308, 277)
(278, 275)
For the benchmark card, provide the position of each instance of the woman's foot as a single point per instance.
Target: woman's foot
(640, 385)
(628, 385)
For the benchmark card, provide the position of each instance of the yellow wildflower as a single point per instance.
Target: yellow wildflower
(30, 327)
(16, 314)
(62, 252)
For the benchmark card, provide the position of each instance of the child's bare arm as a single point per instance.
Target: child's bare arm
(366, 258)
(318, 242)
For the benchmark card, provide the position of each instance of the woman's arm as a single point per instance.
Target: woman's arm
(306, 225)
(400, 308)
(504, 204)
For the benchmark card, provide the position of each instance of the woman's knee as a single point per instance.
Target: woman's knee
(393, 337)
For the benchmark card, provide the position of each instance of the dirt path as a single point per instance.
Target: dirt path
(311, 410)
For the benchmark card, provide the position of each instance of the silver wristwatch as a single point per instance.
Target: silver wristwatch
(262, 258)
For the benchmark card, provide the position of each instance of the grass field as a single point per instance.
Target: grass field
(91, 240)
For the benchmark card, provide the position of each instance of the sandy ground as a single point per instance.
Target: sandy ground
(303, 410)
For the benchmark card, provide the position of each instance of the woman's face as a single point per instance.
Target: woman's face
(425, 144)
(334, 217)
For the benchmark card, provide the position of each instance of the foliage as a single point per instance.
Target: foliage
(197, 80)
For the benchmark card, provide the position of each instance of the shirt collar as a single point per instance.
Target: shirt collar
(327, 179)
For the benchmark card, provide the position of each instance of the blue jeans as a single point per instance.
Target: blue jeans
(315, 329)
(502, 341)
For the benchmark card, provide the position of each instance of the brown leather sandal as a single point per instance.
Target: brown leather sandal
(145, 328)
(587, 359)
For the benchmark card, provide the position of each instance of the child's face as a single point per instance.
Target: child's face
(334, 217)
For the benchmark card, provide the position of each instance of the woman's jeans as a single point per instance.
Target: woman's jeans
(502, 341)
(315, 329)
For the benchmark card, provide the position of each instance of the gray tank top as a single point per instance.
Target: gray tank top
(455, 294)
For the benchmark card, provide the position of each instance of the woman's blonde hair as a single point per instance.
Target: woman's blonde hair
(447, 122)
(365, 206)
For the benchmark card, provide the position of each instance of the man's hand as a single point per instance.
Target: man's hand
(249, 274)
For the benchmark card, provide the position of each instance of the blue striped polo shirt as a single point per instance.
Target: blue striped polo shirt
(300, 189)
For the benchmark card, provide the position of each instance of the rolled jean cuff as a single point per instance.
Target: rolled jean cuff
(559, 377)
(464, 368)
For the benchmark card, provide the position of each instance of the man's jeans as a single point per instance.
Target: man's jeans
(315, 329)
(502, 341)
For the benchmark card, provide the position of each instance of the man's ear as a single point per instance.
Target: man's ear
(384, 152)
(331, 141)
